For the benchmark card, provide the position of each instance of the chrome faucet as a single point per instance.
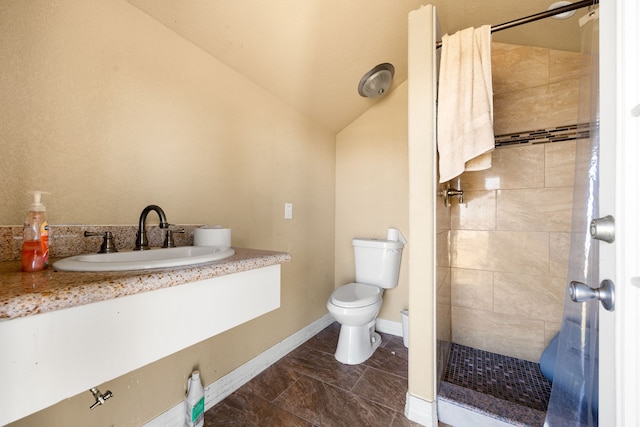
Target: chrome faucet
(142, 244)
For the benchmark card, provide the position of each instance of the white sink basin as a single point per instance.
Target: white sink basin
(144, 260)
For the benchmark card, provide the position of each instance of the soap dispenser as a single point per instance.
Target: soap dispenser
(35, 243)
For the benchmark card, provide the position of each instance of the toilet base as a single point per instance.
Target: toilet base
(357, 343)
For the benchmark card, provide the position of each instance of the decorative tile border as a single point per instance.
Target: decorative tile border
(540, 136)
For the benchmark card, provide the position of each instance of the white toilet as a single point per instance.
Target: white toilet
(356, 305)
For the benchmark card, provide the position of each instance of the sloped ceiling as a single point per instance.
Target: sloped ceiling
(313, 53)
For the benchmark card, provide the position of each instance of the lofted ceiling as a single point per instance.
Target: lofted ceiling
(313, 53)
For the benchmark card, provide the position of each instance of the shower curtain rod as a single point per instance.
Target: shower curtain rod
(538, 16)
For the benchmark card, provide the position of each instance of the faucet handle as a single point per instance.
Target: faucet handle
(108, 246)
(168, 240)
(455, 192)
(100, 398)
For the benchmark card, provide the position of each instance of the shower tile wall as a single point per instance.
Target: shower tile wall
(510, 237)
(443, 285)
(534, 88)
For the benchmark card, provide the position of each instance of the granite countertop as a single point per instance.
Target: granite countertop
(25, 294)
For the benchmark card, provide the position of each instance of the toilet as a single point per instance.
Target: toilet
(356, 305)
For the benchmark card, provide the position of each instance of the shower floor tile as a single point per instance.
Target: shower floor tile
(503, 387)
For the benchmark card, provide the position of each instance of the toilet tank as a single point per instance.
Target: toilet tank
(377, 262)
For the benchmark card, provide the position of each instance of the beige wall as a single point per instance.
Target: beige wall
(110, 111)
(423, 33)
(372, 189)
(510, 238)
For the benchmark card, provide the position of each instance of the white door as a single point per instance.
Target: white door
(620, 197)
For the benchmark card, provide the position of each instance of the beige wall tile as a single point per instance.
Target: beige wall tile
(533, 297)
(506, 251)
(478, 212)
(538, 209)
(583, 154)
(559, 245)
(443, 285)
(443, 249)
(563, 65)
(472, 289)
(511, 167)
(536, 108)
(443, 324)
(550, 331)
(443, 214)
(443, 303)
(499, 333)
(560, 108)
(509, 110)
(559, 166)
(518, 67)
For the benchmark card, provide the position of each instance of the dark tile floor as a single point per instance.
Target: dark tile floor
(308, 387)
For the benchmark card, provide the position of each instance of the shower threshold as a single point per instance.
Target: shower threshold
(489, 389)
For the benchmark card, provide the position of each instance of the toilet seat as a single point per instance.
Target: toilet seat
(356, 295)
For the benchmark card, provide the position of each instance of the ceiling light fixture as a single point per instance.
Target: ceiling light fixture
(564, 15)
(376, 81)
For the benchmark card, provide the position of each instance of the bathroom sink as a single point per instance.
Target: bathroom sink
(144, 260)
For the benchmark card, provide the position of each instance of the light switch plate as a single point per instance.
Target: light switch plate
(288, 211)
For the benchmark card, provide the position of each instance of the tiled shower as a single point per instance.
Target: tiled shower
(503, 251)
(510, 245)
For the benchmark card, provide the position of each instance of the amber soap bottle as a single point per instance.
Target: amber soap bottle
(35, 243)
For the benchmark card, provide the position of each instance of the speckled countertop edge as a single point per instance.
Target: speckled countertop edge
(25, 294)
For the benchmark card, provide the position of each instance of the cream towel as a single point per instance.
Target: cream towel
(465, 103)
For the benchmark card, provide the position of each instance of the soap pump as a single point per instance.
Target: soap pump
(35, 243)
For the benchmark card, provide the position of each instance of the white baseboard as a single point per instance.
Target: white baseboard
(452, 414)
(225, 386)
(422, 411)
(389, 327)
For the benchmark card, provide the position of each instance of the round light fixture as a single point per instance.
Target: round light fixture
(377, 81)
(563, 15)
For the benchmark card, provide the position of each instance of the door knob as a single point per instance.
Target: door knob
(603, 229)
(581, 292)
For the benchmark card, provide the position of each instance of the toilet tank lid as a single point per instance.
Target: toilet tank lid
(356, 295)
(377, 243)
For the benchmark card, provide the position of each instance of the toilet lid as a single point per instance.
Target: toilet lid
(356, 295)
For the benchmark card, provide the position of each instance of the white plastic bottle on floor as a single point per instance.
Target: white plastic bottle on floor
(194, 402)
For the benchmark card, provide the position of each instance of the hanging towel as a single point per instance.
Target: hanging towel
(465, 103)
